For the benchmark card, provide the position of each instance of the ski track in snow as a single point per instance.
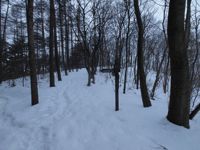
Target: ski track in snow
(73, 116)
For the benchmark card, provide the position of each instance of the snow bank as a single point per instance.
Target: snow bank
(73, 116)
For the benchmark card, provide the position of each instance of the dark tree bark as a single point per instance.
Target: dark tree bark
(51, 46)
(67, 33)
(116, 73)
(33, 74)
(57, 57)
(179, 104)
(1, 48)
(119, 46)
(61, 8)
(144, 91)
(71, 41)
(118, 53)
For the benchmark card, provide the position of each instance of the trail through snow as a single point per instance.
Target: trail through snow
(73, 116)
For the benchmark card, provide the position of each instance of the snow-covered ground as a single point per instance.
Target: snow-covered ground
(73, 116)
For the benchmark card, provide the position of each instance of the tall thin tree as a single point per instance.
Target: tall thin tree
(1, 47)
(51, 45)
(61, 11)
(32, 63)
(57, 57)
(144, 91)
(66, 20)
(127, 7)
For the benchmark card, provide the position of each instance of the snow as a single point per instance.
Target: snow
(73, 116)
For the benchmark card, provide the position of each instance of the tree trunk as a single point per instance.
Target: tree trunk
(33, 75)
(67, 35)
(166, 78)
(179, 104)
(127, 44)
(57, 57)
(61, 34)
(5, 22)
(43, 41)
(192, 71)
(71, 35)
(51, 46)
(143, 85)
(116, 73)
(163, 57)
(1, 48)
(89, 77)
(158, 75)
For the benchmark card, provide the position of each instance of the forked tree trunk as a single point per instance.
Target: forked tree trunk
(179, 104)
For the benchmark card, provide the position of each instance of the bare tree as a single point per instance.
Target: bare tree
(89, 36)
(128, 7)
(144, 91)
(155, 84)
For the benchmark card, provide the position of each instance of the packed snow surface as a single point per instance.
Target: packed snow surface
(72, 116)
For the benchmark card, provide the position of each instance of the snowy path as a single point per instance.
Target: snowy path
(73, 116)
